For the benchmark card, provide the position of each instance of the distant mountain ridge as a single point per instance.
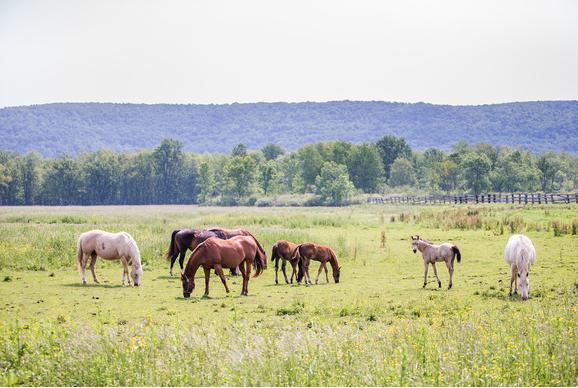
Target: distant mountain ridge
(54, 129)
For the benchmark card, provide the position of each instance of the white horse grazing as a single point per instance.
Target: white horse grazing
(110, 246)
(520, 254)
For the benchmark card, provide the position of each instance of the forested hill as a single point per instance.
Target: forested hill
(54, 129)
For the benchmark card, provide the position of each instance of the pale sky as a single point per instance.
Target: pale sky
(207, 51)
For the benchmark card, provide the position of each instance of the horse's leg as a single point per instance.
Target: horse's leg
(83, 267)
(307, 277)
(512, 280)
(219, 270)
(514, 273)
(248, 276)
(125, 270)
(425, 263)
(182, 259)
(283, 268)
(293, 270)
(326, 272)
(173, 259)
(207, 276)
(319, 273)
(276, 270)
(92, 263)
(437, 277)
(243, 272)
(450, 266)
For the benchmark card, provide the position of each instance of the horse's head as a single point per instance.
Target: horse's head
(414, 243)
(136, 275)
(524, 282)
(188, 285)
(336, 274)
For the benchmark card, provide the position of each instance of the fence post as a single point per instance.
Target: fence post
(567, 198)
(539, 199)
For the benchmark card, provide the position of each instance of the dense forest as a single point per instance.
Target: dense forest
(56, 129)
(330, 173)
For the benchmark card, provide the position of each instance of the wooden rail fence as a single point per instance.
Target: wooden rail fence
(520, 198)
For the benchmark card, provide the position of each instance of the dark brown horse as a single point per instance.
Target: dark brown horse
(285, 251)
(309, 251)
(214, 253)
(181, 240)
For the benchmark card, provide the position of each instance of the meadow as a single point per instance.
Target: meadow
(378, 326)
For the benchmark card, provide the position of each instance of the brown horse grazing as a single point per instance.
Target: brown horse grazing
(285, 251)
(214, 253)
(309, 251)
(181, 240)
(433, 253)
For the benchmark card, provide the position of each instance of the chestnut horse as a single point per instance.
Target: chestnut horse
(181, 240)
(285, 251)
(309, 251)
(215, 253)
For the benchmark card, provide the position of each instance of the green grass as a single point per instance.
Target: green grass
(376, 327)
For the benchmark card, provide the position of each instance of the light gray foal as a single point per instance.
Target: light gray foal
(433, 253)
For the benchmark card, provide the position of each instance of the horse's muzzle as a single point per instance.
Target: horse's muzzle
(186, 296)
(415, 250)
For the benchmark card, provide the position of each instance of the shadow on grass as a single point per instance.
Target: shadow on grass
(95, 285)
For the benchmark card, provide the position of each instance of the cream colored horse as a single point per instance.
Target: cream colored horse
(110, 246)
(432, 253)
(520, 254)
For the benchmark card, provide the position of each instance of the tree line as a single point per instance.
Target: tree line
(323, 173)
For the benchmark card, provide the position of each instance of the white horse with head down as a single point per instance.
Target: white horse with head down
(520, 254)
(110, 246)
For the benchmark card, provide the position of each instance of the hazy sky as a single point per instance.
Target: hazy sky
(454, 52)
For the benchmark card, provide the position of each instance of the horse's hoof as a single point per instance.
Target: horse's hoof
(450, 287)
(96, 281)
(440, 285)
(84, 282)
(205, 296)
(424, 285)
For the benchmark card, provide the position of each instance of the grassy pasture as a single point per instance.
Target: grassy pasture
(376, 327)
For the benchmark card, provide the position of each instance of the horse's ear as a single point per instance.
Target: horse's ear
(413, 237)
(417, 237)
(339, 269)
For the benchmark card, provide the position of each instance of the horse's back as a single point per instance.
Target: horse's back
(105, 244)
(519, 245)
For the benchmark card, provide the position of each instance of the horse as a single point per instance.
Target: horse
(309, 251)
(110, 246)
(520, 254)
(284, 250)
(432, 253)
(181, 240)
(215, 253)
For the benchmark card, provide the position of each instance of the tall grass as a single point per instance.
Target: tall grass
(529, 348)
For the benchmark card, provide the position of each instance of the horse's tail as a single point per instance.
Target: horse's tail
(300, 272)
(172, 248)
(260, 261)
(275, 255)
(457, 252)
(261, 250)
(79, 253)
